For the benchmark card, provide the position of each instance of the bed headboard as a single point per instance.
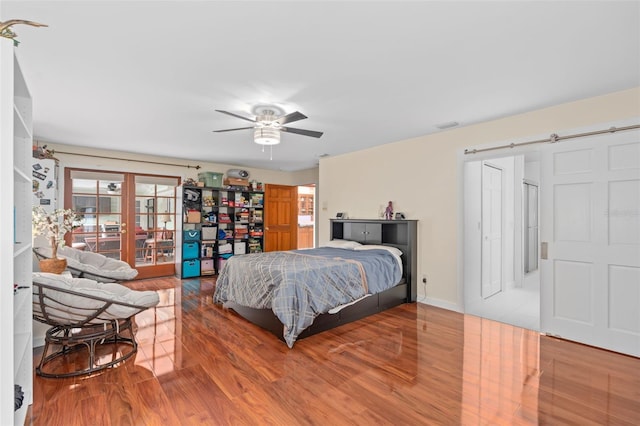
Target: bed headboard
(402, 234)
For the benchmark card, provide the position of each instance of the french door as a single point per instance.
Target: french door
(125, 216)
(590, 233)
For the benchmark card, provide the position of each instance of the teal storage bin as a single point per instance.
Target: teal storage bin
(191, 250)
(191, 268)
(211, 179)
(192, 235)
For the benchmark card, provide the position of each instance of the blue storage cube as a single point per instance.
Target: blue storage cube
(191, 268)
(190, 250)
(192, 235)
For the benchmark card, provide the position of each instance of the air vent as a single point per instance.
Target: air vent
(448, 125)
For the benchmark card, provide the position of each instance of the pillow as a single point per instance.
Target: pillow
(343, 244)
(93, 265)
(394, 251)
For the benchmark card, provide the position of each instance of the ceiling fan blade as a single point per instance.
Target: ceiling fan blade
(231, 130)
(311, 133)
(291, 117)
(236, 115)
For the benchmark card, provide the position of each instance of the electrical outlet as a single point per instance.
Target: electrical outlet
(424, 279)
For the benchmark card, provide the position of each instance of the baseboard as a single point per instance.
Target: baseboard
(438, 303)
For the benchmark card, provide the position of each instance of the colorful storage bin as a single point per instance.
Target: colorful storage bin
(209, 232)
(192, 235)
(206, 267)
(194, 216)
(211, 179)
(191, 268)
(191, 250)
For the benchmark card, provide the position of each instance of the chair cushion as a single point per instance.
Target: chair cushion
(94, 265)
(67, 309)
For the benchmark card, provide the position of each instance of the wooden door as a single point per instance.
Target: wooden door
(281, 217)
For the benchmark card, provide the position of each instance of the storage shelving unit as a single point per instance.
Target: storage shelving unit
(222, 222)
(16, 267)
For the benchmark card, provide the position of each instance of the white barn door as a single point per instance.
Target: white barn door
(590, 222)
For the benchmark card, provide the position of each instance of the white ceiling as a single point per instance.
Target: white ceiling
(146, 76)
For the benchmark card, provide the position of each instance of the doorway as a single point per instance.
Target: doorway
(306, 216)
(125, 216)
(589, 237)
(496, 285)
(492, 225)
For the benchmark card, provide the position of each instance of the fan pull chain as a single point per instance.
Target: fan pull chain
(271, 152)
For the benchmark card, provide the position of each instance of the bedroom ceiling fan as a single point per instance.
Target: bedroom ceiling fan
(268, 126)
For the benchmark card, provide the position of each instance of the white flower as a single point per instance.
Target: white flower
(54, 226)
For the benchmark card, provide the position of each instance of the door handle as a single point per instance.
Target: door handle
(544, 250)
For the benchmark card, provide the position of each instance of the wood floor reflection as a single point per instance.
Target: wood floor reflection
(199, 364)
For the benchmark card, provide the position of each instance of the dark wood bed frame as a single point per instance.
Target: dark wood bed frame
(397, 233)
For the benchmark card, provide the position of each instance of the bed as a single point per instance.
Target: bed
(248, 284)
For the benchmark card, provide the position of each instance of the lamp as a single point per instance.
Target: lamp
(266, 136)
(166, 218)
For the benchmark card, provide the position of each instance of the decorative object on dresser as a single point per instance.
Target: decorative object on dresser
(272, 300)
(388, 212)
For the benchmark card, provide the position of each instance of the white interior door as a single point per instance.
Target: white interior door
(491, 230)
(590, 219)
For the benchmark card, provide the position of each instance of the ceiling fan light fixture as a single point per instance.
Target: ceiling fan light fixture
(266, 136)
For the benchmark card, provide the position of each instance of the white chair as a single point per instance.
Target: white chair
(87, 264)
(86, 315)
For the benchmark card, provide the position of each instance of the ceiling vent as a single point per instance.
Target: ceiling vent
(447, 125)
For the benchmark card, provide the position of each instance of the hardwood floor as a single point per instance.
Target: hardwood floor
(198, 364)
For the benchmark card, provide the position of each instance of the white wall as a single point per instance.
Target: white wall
(92, 160)
(423, 177)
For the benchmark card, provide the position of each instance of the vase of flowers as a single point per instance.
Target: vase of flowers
(53, 226)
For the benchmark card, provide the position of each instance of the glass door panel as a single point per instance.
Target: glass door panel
(125, 216)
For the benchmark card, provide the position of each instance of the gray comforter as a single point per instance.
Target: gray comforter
(301, 284)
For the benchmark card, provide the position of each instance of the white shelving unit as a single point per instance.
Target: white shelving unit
(16, 356)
